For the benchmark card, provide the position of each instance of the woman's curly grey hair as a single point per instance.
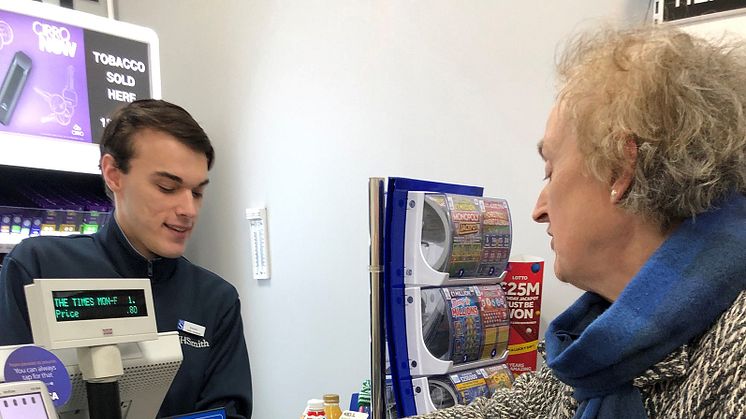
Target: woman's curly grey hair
(679, 98)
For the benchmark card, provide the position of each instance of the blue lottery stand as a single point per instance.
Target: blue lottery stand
(393, 281)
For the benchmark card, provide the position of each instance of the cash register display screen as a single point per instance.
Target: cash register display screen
(24, 406)
(98, 304)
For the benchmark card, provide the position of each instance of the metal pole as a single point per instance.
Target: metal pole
(377, 357)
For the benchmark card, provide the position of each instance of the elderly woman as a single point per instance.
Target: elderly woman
(645, 164)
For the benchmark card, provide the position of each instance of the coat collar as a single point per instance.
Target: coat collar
(127, 261)
(674, 366)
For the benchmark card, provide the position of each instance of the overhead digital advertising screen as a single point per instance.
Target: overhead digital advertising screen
(61, 81)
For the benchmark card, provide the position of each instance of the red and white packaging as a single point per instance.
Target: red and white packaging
(522, 287)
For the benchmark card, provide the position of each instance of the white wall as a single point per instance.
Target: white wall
(306, 99)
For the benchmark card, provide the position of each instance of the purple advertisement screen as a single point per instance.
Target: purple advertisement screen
(43, 68)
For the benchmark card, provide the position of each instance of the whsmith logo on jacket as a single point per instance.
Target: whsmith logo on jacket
(194, 343)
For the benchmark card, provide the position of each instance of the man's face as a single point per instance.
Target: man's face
(158, 200)
(582, 221)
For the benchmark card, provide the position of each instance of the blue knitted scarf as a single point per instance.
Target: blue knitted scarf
(598, 348)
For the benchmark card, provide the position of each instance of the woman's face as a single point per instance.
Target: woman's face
(582, 221)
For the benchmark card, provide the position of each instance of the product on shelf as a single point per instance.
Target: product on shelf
(17, 224)
(5, 220)
(314, 410)
(29, 222)
(331, 406)
(364, 397)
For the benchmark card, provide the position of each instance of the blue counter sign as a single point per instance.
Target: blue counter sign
(35, 363)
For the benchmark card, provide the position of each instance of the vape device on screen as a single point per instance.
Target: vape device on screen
(13, 84)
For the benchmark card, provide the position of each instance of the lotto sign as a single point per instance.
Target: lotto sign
(522, 287)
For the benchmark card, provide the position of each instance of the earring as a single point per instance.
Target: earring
(613, 195)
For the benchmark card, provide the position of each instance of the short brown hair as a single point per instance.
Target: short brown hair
(151, 114)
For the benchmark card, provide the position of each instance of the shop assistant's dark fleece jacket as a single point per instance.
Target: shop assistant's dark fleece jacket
(215, 371)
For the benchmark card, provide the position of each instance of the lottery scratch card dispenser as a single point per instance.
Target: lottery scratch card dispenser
(462, 387)
(446, 249)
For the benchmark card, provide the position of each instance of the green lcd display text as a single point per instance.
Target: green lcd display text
(98, 304)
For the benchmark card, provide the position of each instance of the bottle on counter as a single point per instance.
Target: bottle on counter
(331, 406)
(314, 410)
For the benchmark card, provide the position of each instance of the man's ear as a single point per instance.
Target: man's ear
(111, 173)
(623, 179)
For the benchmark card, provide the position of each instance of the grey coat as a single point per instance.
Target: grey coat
(704, 379)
